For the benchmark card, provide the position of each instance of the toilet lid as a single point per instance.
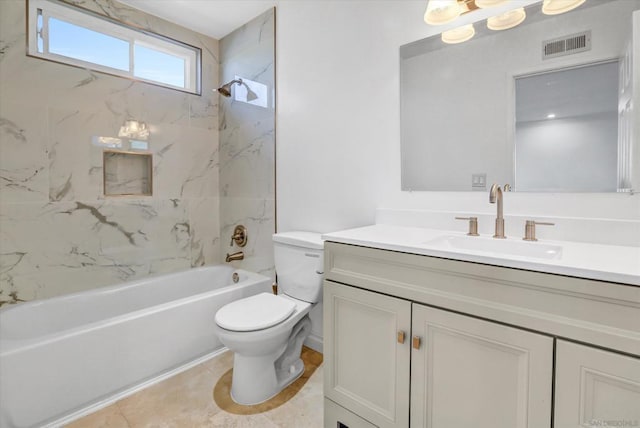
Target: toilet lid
(255, 313)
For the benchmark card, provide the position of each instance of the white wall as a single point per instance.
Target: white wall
(338, 122)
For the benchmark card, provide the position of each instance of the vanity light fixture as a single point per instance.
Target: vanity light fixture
(459, 35)
(441, 12)
(483, 4)
(134, 129)
(507, 20)
(556, 7)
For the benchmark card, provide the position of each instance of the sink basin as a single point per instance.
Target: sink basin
(506, 247)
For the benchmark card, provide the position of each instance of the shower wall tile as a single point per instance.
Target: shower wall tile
(257, 215)
(115, 240)
(58, 232)
(23, 153)
(247, 144)
(258, 32)
(247, 157)
(174, 148)
(75, 165)
(203, 113)
(205, 231)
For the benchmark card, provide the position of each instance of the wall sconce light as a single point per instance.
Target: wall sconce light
(441, 12)
(135, 130)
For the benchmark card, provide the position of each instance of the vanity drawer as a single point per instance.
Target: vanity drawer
(607, 314)
(336, 416)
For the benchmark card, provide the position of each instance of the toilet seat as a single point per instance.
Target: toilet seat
(257, 312)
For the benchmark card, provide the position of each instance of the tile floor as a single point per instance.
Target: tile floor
(186, 400)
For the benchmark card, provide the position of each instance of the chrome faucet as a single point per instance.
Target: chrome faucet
(495, 197)
(234, 257)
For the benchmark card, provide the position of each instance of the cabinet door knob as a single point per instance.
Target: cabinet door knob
(416, 342)
(401, 335)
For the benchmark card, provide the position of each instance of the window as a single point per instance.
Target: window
(74, 36)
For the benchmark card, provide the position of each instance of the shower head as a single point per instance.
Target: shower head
(225, 90)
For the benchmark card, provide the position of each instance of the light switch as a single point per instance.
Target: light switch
(479, 181)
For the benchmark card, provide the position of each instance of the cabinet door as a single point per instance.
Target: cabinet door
(366, 368)
(468, 372)
(595, 387)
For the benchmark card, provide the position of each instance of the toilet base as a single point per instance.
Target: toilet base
(285, 379)
(256, 379)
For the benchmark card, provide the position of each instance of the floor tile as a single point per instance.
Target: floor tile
(183, 400)
(109, 417)
(186, 401)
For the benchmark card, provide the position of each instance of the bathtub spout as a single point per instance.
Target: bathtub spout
(235, 256)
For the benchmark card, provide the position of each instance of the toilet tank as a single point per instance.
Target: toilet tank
(299, 260)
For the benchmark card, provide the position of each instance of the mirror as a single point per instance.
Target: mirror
(459, 105)
(566, 136)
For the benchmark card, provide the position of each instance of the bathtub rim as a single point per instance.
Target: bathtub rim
(10, 346)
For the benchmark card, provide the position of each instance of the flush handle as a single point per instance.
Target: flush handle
(416, 342)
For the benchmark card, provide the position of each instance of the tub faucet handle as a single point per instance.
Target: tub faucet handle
(239, 236)
(473, 225)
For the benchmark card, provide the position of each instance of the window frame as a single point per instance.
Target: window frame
(92, 21)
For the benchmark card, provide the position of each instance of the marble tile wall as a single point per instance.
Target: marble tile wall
(58, 233)
(247, 143)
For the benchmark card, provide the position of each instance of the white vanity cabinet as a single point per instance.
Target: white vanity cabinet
(595, 387)
(473, 373)
(417, 341)
(367, 358)
(373, 342)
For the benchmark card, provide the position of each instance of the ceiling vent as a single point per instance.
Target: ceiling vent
(566, 45)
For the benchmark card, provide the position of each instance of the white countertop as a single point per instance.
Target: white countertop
(611, 263)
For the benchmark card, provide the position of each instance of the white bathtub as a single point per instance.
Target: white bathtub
(62, 355)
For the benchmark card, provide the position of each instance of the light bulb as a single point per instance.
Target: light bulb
(556, 7)
(441, 11)
(459, 35)
(507, 20)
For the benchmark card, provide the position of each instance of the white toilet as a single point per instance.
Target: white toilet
(266, 331)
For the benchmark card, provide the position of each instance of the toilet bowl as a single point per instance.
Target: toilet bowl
(266, 331)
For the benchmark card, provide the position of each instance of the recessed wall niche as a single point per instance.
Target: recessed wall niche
(127, 173)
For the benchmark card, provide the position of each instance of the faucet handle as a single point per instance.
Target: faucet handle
(473, 225)
(530, 229)
(239, 236)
